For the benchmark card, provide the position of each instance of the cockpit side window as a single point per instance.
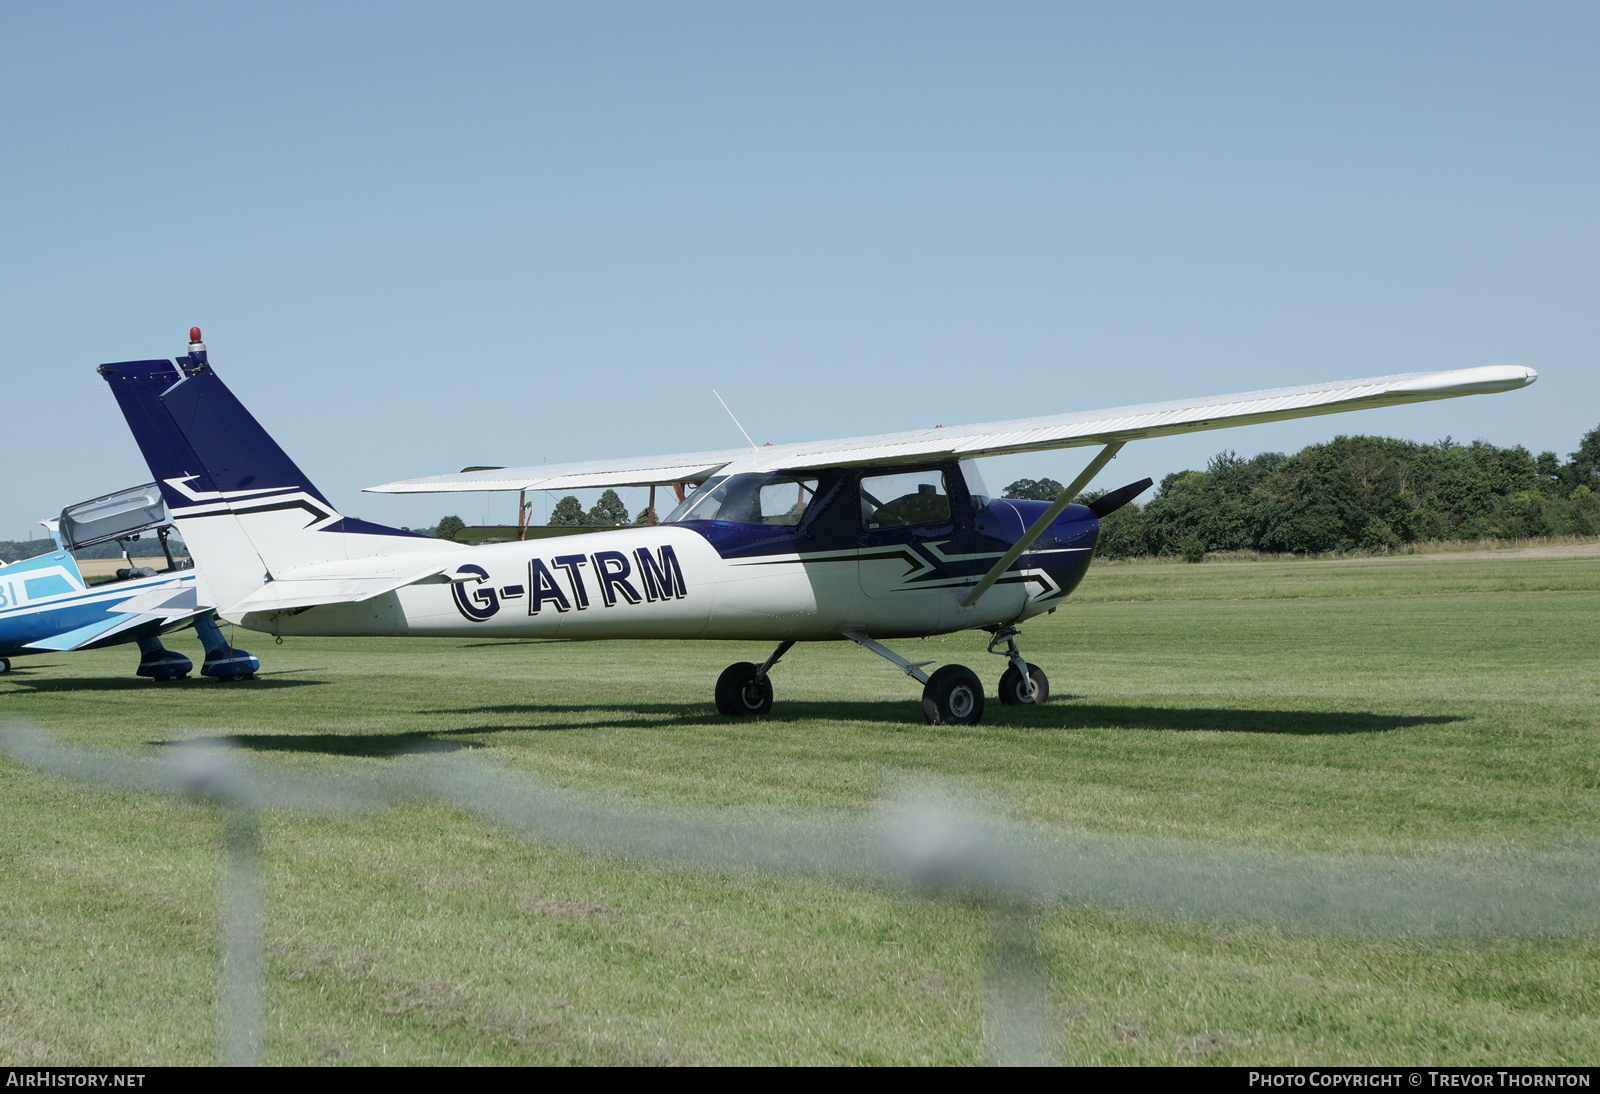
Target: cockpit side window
(780, 500)
(906, 498)
(785, 499)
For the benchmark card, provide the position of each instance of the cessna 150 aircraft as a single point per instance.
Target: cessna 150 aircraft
(867, 539)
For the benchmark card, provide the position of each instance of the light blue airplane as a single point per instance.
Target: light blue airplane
(46, 606)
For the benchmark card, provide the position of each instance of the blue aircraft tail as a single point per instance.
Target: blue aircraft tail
(243, 507)
(198, 438)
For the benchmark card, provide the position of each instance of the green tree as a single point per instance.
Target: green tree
(1524, 514)
(448, 527)
(1216, 507)
(1034, 490)
(568, 511)
(1548, 468)
(1122, 532)
(1584, 468)
(608, 512)
(1583, 514)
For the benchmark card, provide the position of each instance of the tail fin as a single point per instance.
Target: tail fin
(244, 509)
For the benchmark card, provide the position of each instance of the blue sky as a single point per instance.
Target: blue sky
(425, 236)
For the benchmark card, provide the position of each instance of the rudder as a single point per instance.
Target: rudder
(243, 507)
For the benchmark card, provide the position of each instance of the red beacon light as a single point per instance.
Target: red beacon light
(197, 349)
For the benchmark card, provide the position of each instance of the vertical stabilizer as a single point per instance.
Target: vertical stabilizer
(246, 512)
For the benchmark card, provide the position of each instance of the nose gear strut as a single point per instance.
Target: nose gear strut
(1021, 683)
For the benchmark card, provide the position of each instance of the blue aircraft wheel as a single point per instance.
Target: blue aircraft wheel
(953, 696)
(741, 693)
(228, 664)
(1014, 689)
(5, 664)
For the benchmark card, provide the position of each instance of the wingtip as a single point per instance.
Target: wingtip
(1485, 380)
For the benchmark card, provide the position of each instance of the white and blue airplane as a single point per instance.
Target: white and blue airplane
(46, 606)
(867, 539)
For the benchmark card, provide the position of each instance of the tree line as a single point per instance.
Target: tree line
(1356, 493)
(608, 512)
(15, 550)
(1350, 493)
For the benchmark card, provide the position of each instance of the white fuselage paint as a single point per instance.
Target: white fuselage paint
(769, 597)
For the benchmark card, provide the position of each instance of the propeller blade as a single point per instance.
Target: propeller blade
(1109, 503)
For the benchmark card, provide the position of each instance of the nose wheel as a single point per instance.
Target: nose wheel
(1019, 690)
(1023, 683)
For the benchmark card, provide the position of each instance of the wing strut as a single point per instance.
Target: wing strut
(1036, 529)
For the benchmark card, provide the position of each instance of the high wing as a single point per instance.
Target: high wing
(1114, 426)
(644, 471)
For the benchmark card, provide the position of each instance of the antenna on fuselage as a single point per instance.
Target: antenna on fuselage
(725, 406)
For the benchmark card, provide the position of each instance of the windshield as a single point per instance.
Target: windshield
(749, 499)
(975, 485)
(681, 512)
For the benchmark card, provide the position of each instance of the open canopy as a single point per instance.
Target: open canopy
(114, 516)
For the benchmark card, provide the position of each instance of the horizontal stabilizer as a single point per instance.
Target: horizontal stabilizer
(174, 599)
(1109, 503)
(313, 589)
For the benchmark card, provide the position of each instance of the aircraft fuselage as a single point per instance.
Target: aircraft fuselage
(720, 579)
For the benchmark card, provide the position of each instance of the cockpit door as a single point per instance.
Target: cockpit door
(908, 520)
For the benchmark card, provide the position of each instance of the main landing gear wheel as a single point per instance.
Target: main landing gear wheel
(5, 664)
(161, 664)
(743, 691)
(953, 696)
(1014, 689)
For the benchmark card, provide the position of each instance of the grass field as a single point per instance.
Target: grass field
(1429, 708)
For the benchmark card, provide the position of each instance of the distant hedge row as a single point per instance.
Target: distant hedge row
(1361, 492)
(14, 550)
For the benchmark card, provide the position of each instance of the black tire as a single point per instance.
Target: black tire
(1014, 692)
(5, 664)
(743, 694)
(953, 696)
